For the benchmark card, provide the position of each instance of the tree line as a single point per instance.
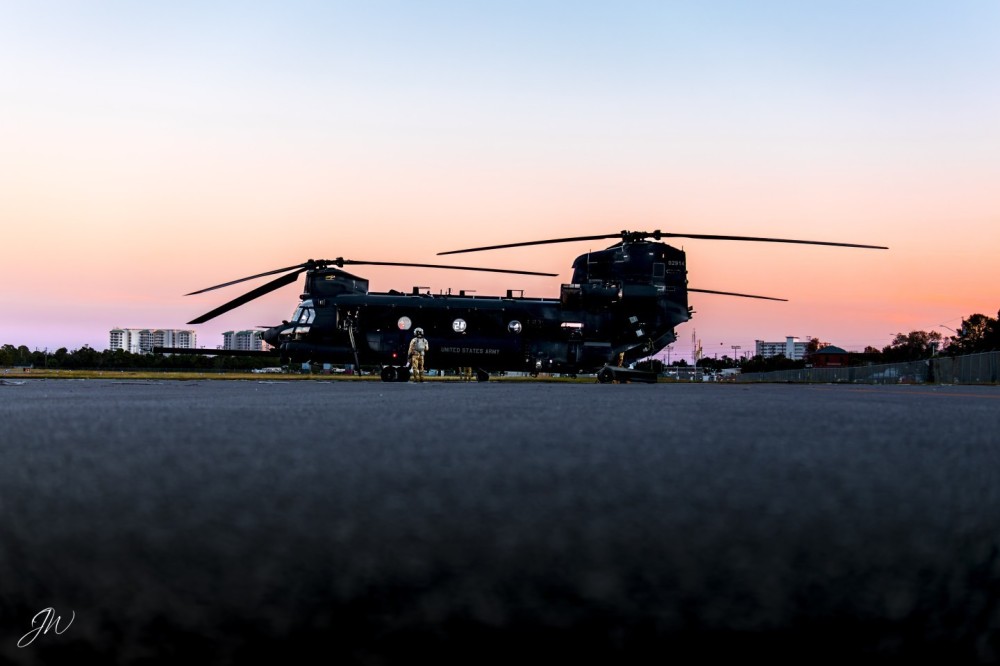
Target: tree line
(88, 358)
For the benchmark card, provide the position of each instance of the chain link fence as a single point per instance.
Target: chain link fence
(971, 369)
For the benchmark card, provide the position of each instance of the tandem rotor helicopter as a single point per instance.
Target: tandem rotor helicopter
(621, 305)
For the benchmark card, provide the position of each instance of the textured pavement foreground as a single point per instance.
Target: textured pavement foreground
(219, 521)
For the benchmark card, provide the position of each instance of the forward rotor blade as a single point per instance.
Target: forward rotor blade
(344, 262)
(733, 293)
(252, 277)
(538, 242)
(249, 296)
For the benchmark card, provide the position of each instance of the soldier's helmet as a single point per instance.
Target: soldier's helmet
(419, 332)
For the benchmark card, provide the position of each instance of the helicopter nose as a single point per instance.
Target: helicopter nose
(272, 336)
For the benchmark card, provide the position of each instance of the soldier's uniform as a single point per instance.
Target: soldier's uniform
(418, 347)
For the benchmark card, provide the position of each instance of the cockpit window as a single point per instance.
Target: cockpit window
(304, 314)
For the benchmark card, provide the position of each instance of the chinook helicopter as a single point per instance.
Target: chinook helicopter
(621, 305)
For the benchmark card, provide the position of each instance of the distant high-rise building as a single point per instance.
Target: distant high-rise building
(245, 340)
(142, 340)
(792, 348)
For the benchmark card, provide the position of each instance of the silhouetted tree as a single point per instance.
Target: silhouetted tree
(8, 355)
(778, 362)
(870, 356)
(650, 364)
(978, 333)
(910, 346)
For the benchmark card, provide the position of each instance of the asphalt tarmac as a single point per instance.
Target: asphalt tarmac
(347, 522)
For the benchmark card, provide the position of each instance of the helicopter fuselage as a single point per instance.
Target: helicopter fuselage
(622, 305)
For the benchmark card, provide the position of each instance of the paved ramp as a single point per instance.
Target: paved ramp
(214, 521)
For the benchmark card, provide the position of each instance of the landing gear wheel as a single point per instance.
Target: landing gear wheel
(606, 376)
(390, 373)
(482, 376)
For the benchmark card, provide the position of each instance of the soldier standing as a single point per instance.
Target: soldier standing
(418, 347)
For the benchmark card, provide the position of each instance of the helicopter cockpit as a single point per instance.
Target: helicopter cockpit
(304, 314)
(301, 322)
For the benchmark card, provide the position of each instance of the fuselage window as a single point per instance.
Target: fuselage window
(659, 271)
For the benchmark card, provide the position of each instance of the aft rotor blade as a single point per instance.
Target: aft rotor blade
(344, 262)
(771, 240)
(733, 293)
(634, 236)
(252, 277)
(249, 296)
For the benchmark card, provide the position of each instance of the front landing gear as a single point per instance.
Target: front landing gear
(395, 373)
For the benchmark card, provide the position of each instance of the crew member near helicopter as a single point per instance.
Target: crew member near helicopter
(418, 347)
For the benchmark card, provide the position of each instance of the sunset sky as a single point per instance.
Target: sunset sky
(151, 149)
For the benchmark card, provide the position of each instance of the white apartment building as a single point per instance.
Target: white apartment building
(142, 340)
(792, 348)
(247, 340)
